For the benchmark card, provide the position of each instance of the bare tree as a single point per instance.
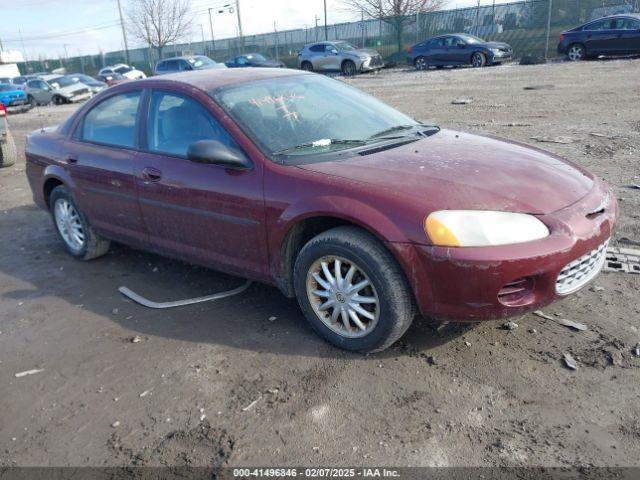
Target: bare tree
(396, 13)
(159, 22)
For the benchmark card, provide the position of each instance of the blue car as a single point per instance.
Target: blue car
(457, 49)
(612, 35)
(14, 99)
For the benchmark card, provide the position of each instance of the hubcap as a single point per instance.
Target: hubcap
(343, 297)
(575, 53)
(69, 224)
(421, 63)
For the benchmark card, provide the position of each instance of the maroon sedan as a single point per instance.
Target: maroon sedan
(298, 180)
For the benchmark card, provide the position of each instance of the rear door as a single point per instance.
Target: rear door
(100, 158)
(199, 212)
(436, 54)
(628, 35)
(40, 91)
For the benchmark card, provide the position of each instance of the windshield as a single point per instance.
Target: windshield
(309, 114)
(61, 82)
(344, 46)
(123, 69)
(256, 56)
(200, 62)
(7, 88)
(81, 78)
(471, 39)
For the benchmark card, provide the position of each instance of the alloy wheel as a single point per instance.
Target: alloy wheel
(69, 224)
(576, 52)
(349, 69)
(477, 60)
(421, 63)
(342, 296)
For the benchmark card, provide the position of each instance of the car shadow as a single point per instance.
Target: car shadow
(36, 267)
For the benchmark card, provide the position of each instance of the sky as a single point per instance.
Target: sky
(46, 28)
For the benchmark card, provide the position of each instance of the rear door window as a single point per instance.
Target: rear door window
(319, 47)
(113, 121)
(175, 122)
(607, 24)
(627, 24)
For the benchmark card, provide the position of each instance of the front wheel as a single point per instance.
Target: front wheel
(32, 101)
(72, 227)
(352, 291)
(348, 68)
(478, 60)
(576, 52)
(307, 66)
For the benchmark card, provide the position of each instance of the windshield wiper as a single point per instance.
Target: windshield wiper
(321, 143)
(398, 128)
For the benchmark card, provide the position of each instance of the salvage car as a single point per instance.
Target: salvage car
(457, 49)
(94, 85)
(55, 88)
(253, 60)
(111, 79)
(293, 179)
(613, 35)
(185, 64)
(131, 73)
(13, 98)
(8, 152)
(338, 56)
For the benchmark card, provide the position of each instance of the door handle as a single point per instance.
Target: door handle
(151, 174)
(71, 158)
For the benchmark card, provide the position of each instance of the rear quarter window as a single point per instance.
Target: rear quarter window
(112, 121)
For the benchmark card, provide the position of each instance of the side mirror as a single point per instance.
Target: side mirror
(461, 45)
(214, 152)
(334, 51)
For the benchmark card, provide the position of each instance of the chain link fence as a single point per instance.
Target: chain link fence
(525, 25)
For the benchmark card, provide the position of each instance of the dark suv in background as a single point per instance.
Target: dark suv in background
(185, 64)
(457, 49)
(613, 35)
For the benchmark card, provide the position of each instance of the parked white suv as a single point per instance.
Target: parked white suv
(124, 70)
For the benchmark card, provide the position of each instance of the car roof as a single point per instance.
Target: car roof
(617, 15)
(211, 79)
(49, 76)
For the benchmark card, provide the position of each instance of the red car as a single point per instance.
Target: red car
(300, 181)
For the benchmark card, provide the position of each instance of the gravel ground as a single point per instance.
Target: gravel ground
(243, 381)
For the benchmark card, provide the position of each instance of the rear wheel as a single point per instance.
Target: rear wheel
(478, 60)
(32, 101)
(421, 63)
(58, 100)
(576, 52)
(307, 66)
(352, 291)
(77, 235)
(8, 151)
(348, 68)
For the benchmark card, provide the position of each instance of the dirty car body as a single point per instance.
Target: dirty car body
(309, 195)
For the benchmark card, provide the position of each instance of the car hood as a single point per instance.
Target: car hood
(453, 170)
(71, 88)
(497, 45)
(362, 52)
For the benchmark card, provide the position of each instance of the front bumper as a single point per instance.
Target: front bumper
(467, 284)
(80, 98)
(18, 106)
(371, 64)
(501, 57)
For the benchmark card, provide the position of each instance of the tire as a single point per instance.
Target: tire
(32, 101)
(420, 63)
(58, 100)
(576, 52)
(8, 151)
(387, 318)
(92, 244)
(348, 68)
(478, 60)
(308, 66)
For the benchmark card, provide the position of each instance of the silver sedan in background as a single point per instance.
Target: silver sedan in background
(338, 56)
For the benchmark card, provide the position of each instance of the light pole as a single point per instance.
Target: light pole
(240, 26)
(213, 42)
(204, 45)
(326, 32)
(124, 34)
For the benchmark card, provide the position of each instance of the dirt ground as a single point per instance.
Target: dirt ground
(243, 381)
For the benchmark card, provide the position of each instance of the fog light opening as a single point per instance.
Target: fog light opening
(517, 292)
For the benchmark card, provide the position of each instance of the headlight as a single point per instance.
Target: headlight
(481, 228)
(496, 50)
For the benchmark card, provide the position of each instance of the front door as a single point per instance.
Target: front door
(628, 35)
(100, 158)
(199, 212)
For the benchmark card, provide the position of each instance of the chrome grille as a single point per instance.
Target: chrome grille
(582, 270)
